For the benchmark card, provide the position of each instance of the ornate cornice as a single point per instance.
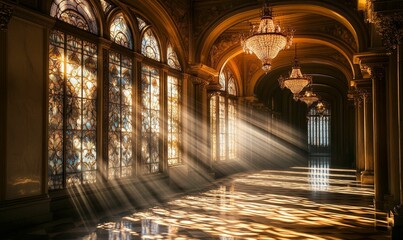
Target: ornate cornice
(5, 15)
(390, 27)
(203, 71)
(373, 64)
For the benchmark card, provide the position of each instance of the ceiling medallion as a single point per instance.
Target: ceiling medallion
(296, 81)
(266, 39)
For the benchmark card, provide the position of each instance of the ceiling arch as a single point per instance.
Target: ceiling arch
(323, 75)
(342, 16)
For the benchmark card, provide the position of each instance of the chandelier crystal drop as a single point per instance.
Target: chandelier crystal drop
(266, 39)
(309, 97)
(296, 81)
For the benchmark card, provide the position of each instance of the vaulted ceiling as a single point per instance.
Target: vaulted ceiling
(327, 33)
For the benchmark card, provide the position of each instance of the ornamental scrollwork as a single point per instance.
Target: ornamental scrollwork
(224, 42)
(5, 15)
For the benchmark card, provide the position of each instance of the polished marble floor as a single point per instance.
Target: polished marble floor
(312, 202)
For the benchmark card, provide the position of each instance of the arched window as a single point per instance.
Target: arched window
(319, 119)
(149, 46)
(72, 98)
(174, 111)
(173, 61)
(78, 13)
(222, 118)
(150, 107)
(120, 103)
(120, 32)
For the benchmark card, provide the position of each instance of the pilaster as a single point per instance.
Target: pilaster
(367, 176)
(359, 127)
(6, 12)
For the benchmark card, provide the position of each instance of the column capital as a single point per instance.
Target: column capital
(357, 101)
(5, 15)
(373, 64)
(198, 81)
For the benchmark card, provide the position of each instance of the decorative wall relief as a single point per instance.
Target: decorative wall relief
(224, 42)
(342, 33)
(180, 14)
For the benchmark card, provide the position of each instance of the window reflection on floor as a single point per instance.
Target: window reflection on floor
(319, 172)
(313, 202)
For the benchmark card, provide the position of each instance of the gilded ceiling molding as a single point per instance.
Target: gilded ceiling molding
(216, 23)
(342, 33)
(5, 15)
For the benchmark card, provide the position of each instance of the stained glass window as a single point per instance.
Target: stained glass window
(173, 61)
(150, 112)
(120, 126)
(174, 116)
(149, 46)
(72, 111)
(78, 13)
(141, 23)
(231, 86)
(120, 32)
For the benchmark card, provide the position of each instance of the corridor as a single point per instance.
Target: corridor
(312, 202)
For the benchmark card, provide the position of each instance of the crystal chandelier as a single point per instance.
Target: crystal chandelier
(296, 81)
(320, 107)
(266, 39)
(309, 97)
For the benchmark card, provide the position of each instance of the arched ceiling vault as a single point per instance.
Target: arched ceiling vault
(328, 35)
(287, 12)
(327, 80)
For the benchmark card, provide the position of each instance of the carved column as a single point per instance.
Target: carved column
(367, 176)
(359, 128)
(5, 16)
